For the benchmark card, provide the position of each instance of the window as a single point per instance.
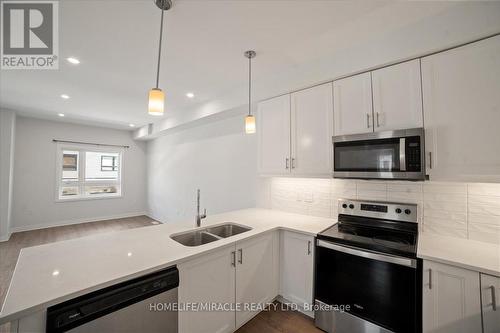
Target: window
(88, 172)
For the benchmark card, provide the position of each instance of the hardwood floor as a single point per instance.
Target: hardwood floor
(9, 250)
(278, 319)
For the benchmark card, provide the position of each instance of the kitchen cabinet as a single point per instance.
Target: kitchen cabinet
(273, 132)
(208, 279)
(295, 133)
(244, 273)
(256, 276)
(297, 267)
(462, 112)
(490, 300)
(312, 131)
(397, 97)
(451, 299)
(353, 111)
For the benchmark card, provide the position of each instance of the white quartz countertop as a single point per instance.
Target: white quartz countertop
(465, 253)
(91, 263)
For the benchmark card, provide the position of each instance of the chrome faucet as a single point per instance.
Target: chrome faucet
(198, 216)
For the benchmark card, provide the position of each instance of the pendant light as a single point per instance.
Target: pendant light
(156, 104)
(250, 119)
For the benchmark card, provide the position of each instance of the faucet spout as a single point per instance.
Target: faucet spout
(199, 216)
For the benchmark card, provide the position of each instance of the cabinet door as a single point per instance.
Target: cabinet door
(451, 299)
(462, 112)
(208, 279)
(256, 278)
(490, 295)
(273, 131)
(296, 280)
(352, 98)
(312, 130)
(397, 97)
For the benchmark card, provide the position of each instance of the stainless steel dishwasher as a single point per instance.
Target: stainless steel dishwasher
(138, 305)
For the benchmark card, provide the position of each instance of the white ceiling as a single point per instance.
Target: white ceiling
(117, 40)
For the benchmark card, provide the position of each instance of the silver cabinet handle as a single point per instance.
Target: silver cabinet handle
(286, 163)
(430, 279)
(430, 160)
(233, 258)
(493, 298)
(240, 252)
(378, 124)
(309, 248)
(367, 120)
(293, 163)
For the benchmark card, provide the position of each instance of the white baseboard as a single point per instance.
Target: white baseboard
(74, 221)
(4, 238)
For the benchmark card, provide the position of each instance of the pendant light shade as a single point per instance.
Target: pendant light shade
(250, 127)
(156, 102)
(250, 124)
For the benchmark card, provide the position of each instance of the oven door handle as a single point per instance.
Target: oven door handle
(370, 255)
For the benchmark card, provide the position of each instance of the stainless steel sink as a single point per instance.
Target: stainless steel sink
(227, 230)
(194, 238)
(209, 234)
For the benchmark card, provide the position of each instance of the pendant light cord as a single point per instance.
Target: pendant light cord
(159, 49)
(249, 85)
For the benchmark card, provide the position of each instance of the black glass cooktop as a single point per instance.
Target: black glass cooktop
(398, 238)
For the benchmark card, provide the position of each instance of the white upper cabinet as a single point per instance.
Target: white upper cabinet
(297, 267)
(273, 131)
(397, 96)
(352, 98)
(312, 130)
(451, 299)
(461, 92)
(490, 295)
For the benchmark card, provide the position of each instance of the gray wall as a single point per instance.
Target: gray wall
(218, 157)
(7, 138)
(34, 204)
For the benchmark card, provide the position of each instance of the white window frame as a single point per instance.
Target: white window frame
(81, 183)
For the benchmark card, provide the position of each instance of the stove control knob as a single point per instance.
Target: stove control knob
(344, 205)
(398, 210)
(407, 211)
(351, 206)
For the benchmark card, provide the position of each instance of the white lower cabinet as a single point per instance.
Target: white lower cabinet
(207, 279)
(245, 273)
(296, 273)
(451, 299)
(256, 276)
(490, 300)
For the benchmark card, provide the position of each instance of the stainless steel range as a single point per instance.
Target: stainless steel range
(367, 272)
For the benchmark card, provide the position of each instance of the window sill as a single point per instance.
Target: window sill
(99, 197)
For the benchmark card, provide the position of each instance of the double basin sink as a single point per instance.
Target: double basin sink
(209, 234)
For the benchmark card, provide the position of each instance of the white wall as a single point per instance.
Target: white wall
(218, 157)
(7, 139)
(34, 204)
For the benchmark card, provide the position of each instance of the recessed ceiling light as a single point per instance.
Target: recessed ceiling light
(55, 273)
(73, 61)
(64, 96)
(60, 114)
(190, 95)
(131, 125)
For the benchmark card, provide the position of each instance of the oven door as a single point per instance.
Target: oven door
(386, 155)
(378, 288)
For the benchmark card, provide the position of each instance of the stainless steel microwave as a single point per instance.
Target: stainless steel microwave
(395, 154)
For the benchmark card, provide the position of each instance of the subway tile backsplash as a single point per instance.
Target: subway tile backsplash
(465, 210)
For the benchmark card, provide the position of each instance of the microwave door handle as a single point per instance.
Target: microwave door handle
(402, 154)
